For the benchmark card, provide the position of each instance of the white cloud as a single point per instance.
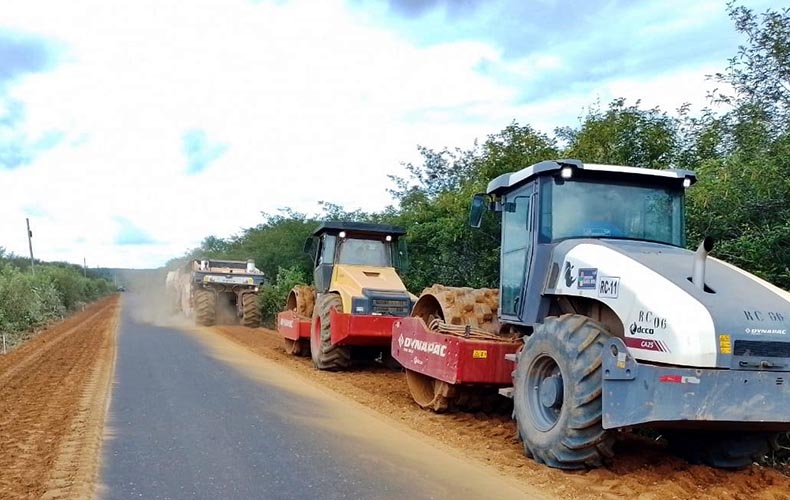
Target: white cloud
(312, 101)
(310, 104)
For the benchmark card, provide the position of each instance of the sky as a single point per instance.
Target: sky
(129, 131)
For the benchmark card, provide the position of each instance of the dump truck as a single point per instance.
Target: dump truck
(604, 321)
(348, 314)
(208, 289)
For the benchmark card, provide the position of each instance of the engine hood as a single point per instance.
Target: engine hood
(350, 281)
(739, 302)
(666, 318)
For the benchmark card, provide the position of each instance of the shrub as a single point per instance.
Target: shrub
(272, 296)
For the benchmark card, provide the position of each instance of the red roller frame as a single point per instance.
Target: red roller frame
(292, 326)
(452, 359)
(360, 329)
(346, 329)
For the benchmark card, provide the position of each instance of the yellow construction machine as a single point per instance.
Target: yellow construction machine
(357, 296)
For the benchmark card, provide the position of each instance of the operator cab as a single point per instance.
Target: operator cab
(551, 202)
(354, 244)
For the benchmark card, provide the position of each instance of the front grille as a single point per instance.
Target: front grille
(760, 348)
(391, 307)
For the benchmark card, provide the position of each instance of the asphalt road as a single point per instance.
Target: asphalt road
(183, 424)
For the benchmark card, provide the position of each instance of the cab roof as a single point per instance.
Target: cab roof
(507, 182)
(358, 228)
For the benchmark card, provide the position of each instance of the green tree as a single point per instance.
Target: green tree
(434, 203)
(760, 73)
(744, 154)
(623, 135)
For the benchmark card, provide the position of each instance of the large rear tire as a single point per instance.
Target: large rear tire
(724, 450)
(205, 307)
(250, 312)
(557, 394)
(325, 355)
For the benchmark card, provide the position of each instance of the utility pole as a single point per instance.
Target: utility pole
(84, 267)
(30, 245)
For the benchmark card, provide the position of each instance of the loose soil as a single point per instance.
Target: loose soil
(53, 400)
(642, 469)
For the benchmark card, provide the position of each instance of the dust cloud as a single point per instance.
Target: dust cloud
(148, 301)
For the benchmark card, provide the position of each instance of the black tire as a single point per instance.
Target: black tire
(250, 312)
(325, 355)
(557, 394)
(720, 449)
(205, 307)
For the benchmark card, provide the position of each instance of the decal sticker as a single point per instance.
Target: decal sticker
(754, 315)
(288, 323)
(411, 345)
(764, 331)
(647, 323)
(480, 354)
(640, 330)
(587, 278)
(568, 274)
(678, 379)
(725, 346)
(646, 344)
(609, 287)
(621, 358)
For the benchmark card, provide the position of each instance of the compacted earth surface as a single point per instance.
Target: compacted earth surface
(110, 404)
(53, 395)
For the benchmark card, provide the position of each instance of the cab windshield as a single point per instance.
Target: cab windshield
(361, 252)
(591, 209)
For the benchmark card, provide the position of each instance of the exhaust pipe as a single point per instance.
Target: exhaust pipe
(700, 258)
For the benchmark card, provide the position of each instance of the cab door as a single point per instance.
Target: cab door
(324, 263)
(516, 250)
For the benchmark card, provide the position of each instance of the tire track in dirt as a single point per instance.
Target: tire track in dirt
(53, 394)
(642, 469)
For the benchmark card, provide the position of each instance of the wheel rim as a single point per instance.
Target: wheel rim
(545, 392)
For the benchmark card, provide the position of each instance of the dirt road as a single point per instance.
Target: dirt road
(194, 415)
(642, 470)
(54, 389)
(53, 393)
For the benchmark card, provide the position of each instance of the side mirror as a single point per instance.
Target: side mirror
(479, 203)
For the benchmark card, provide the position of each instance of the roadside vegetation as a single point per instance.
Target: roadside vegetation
(739, 146)
(29, 300)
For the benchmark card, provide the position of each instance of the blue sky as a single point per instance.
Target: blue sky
(130, 131)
